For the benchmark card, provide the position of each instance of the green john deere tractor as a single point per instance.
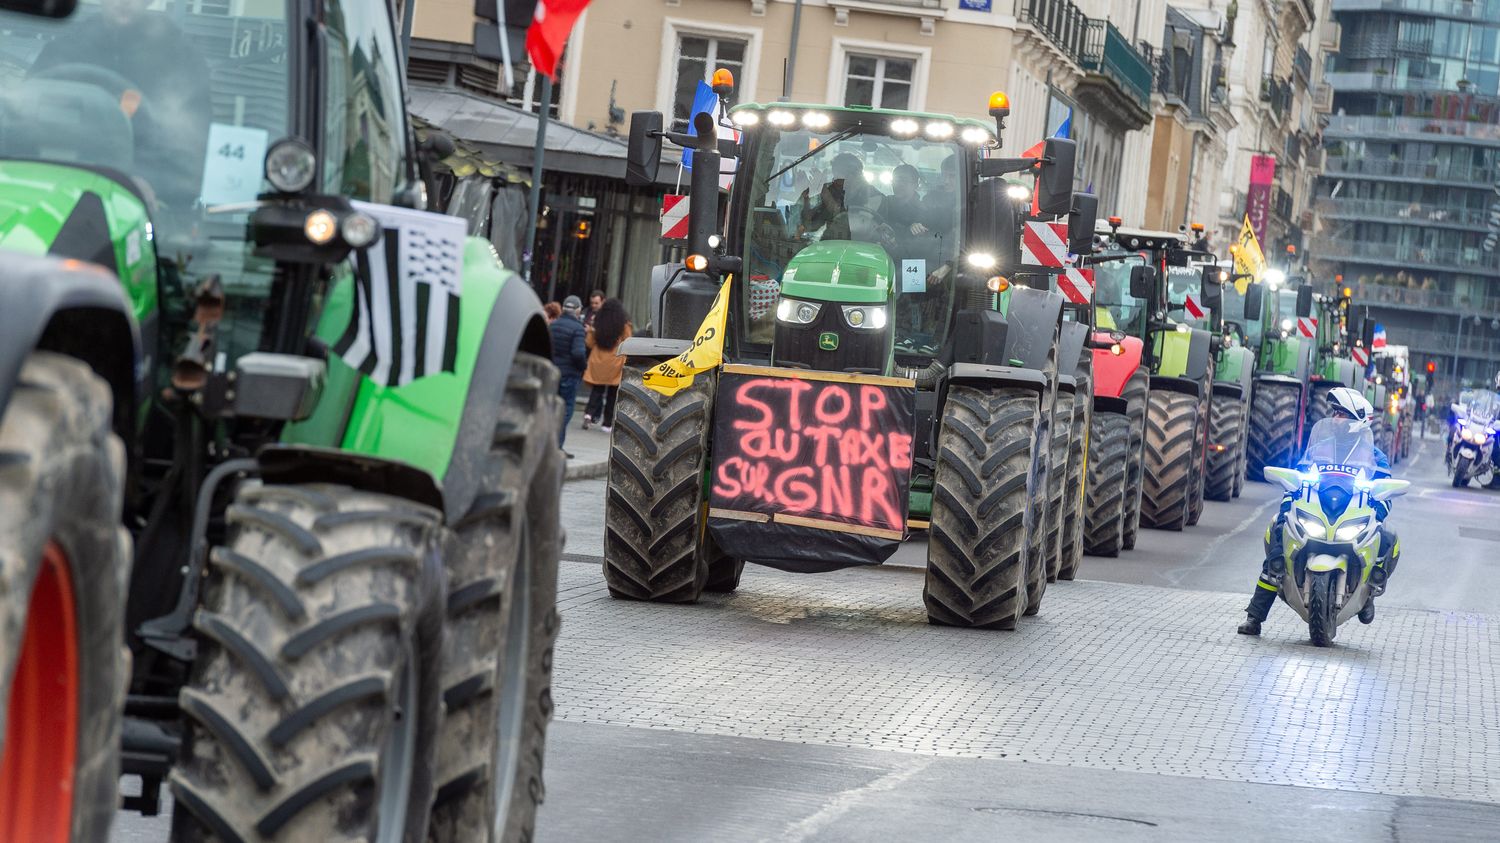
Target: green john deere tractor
(316, 599)
(866, 270)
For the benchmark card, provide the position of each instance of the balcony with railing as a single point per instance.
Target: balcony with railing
(1400, 212)
(1372, 126)
(1485, 10)
(1416, 298)
(1117, 78)
(1471, 344)
(1282, 204)
(1468, 259)
(1277, 93)
(1415, 170)
(1302, 63)
(1322, 98)
(1059, 21)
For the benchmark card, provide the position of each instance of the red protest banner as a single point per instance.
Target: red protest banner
(1258, 198)
(817, 463)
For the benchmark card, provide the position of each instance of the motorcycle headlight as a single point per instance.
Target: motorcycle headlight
(1311, 526)
(1352, 530)
(795, 312)
(864, 316)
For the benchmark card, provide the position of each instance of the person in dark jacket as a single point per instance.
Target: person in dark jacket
(570, 355)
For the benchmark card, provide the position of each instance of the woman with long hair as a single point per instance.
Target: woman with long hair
(611, 327)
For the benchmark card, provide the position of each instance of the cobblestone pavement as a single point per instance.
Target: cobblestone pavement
(1109, 676)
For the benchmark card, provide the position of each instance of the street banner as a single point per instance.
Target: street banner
(1258, 198)
(811, 470)
(551, 25)
(673, 376)
(1248, 258)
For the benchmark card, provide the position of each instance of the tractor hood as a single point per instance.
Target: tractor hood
(839, 271)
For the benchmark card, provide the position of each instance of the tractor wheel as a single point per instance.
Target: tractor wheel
(64, 565)
(1073, 491)
(1225, 424)
(1135, 394)
(1273, 428)
(723, 571)
(1040, 547)
(502, 623)
(1057, 484)
(312, 709)
(1167, 470)
(1242, 448)
(653, 509)
(1199, 466)
(1317, 410)
(988, 469)
(1105, 491)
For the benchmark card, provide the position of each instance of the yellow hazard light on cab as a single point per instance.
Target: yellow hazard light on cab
(998, 284)
(1114, 221)
(1198, 227)
(723, 79)
(1348, 292)
(696, 263)
(1117, 349)
(999, 104)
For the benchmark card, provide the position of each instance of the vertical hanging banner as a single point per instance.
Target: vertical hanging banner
(1248, 258)
(1258, 199)
(811, 470)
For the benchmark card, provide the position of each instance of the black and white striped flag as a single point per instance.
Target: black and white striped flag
(406, 292)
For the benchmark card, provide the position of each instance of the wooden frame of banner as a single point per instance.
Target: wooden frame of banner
(815, 375)
(811, 523)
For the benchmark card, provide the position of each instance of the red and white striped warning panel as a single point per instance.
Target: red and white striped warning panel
(1077, 285)
(1192, 308)
(1044, 243)
(1360, 356)
(1307, 326)
(674, 217)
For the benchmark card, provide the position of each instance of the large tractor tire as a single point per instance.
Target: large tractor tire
(64, 566)
(1226, 425)
(312, 709)
(1105, 489)
(653, 509)
(988, 469)
(1078, 443)
(1273, 428)
(1199, 466)
(1167, 470)
(1135, 393)
(1057, 483)
(502, 624)
(1317, 410)
(1040, 547)
(1244, 451)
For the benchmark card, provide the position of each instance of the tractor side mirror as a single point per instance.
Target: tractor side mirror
(1081, 220)
(1253, 296)
(993, 227)
(1055, 182)
(1304, 301)
(1211, 287)
(41, 8)
(1367, 332)
(643, 155)
(1143, 283)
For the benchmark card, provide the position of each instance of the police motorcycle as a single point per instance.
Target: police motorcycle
(1471, 444)
(1331, 539)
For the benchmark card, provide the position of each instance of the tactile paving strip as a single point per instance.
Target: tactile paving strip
(1107, 676)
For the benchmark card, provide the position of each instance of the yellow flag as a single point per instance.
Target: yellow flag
(707, 352)
(1248, 258)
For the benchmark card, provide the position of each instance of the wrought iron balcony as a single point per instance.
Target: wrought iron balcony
(1302, 63)
(1107, 52)
(1061, 22)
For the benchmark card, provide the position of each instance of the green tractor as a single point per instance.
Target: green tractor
(1283, 367)
(884, 369)
(1333, 362)
(315, 598)
(1145, 279)
(1241, 330)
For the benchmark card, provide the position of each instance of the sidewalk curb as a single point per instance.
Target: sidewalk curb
(586, 471)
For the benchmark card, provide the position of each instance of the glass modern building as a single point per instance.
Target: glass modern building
(1409, 201)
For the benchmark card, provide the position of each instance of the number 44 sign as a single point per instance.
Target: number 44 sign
(234, 165)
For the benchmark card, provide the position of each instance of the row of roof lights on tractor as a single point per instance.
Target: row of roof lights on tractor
(901, 127)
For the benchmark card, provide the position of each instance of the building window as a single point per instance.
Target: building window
(878, 81)
(698, 56)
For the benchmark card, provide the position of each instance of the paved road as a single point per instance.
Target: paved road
(825, 708)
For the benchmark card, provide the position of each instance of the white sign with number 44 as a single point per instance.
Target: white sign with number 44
(235, 163)
(914, 276)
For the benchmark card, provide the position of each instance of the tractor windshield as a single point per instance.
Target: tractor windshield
(1115, 308)
(863, 184)
(1248, 334)
(1184, 283)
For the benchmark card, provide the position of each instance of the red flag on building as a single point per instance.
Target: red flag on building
(549, 31)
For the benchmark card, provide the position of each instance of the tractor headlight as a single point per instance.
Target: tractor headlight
(865, 316)
(291, 165)
(320, 227)
(795, 312)
(982, 260)
(360, 230)
(1352, 530)
(1310, 526)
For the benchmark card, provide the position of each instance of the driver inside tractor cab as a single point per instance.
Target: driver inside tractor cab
(861, 184)
(159, 78)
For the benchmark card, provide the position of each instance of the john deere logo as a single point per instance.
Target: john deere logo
(828, 341)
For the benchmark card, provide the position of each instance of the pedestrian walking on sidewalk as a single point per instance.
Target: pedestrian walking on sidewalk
(610, 328)
(553, 310)
(570, 355)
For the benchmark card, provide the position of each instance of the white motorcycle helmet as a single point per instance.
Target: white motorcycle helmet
(1352, 404)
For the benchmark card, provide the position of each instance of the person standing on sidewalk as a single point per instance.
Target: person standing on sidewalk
(610, 328)
(570, 355)
(596, 301)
